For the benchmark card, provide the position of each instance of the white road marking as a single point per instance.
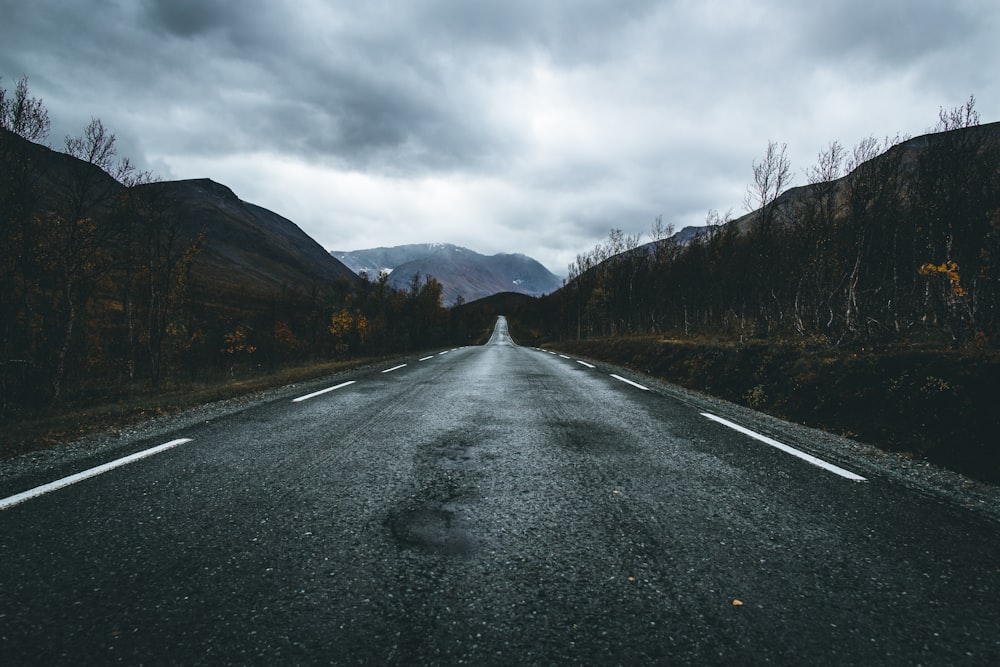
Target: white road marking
(322, 391)
(394, 368)
(564, 356)
(634, 384)
(585, 363)
(87, 474)
(426, 358)
(445, 352)
(847, 474)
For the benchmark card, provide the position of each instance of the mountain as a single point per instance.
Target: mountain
(464, 274)
(248, 251)
(104, 286)
(956, 149)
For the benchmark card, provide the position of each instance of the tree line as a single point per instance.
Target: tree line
(100, 293)
(887, 241)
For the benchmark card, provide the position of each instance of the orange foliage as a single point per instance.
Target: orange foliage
(950, 270)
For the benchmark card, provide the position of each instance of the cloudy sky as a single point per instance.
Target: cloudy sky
(527, 126)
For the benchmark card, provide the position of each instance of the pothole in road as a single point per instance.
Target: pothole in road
(432, 529)
(456, 458)
(589, 437)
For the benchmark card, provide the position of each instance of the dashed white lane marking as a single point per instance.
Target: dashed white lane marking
(847, 474)
(87, 474)
(322, 391)
(426, 358)
(445, 352)
(394, 368)
(564, 356)
(634, 384)
(585, 363)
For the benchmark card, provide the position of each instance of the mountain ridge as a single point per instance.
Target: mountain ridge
(465, 275)
(906, 154)
(248, 248)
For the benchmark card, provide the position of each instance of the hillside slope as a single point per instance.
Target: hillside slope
(248, 250)
(104, 285)
(960, 145)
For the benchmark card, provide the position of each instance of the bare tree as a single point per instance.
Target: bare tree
(77, 241)
(771, 177)
(24, 115)
(816, 219)
(958, 117)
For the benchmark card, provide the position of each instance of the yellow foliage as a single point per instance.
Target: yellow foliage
(341, 323)
(950, 270)
(344, 322)
(237, 341)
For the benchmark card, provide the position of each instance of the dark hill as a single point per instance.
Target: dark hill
(104, 284)
(907, 154)
(249, 251)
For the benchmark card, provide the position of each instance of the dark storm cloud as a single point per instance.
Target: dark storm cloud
(887, 31)
(248, 76)
(385, 85)
(187, 18)
(345, 91)
(572, 33)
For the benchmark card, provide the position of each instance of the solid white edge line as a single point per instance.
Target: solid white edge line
(87, 474)
(585, 363)
(394, 368)
(847, 474)
(426, 358)
(634, 384)
(322, 391)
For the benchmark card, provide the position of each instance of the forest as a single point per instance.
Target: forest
(888, 241)
(102, 293)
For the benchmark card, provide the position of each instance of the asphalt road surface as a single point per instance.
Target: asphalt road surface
(491, 505)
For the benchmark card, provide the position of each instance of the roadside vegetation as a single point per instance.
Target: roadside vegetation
(866, 302)
(105, 311)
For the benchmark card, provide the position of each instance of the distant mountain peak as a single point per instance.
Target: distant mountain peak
(464, 274)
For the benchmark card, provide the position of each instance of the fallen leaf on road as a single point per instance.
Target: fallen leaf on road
(737, 603)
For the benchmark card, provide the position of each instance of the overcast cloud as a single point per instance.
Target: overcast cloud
(518, 126)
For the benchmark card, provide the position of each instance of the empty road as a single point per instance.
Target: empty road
(489, 505)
